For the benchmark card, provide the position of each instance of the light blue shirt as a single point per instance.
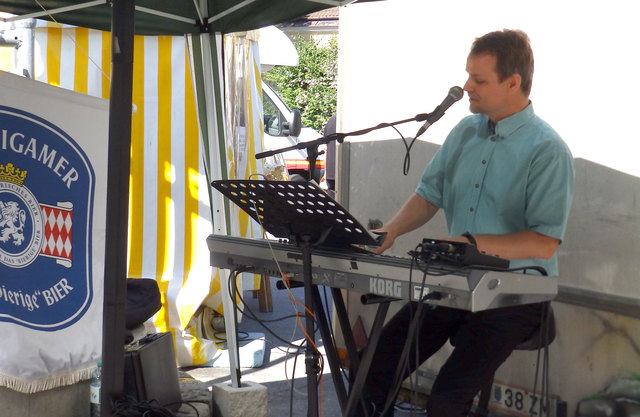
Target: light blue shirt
(519, 177)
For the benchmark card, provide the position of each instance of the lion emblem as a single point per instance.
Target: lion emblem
(12, 220)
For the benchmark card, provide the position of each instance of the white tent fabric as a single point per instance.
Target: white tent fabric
(276, 48)
(172, 163)
(170, 215)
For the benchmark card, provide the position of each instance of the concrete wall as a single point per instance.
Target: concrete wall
(601, 247)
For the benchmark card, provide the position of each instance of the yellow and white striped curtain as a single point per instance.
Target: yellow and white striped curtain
(170, 202)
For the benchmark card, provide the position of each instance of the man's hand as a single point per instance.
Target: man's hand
(387, 240)
(415, 212)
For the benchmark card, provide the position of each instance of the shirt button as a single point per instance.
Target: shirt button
(471, 209)
(484, 161)
(477, 185)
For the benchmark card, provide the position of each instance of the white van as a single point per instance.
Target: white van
(283, 128)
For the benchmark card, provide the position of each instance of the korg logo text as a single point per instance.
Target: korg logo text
(385, 287)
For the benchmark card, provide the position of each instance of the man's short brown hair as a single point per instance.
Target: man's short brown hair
(513, 53)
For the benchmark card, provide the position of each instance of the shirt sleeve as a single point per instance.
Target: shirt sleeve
(431, 184)
(550, 189)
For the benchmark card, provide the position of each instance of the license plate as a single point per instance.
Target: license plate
(518, 401)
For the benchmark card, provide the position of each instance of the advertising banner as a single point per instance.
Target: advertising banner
(53, 152)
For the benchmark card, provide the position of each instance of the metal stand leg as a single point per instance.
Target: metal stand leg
(330, 349)
(367, 358)
(311, 353)
(345, 325)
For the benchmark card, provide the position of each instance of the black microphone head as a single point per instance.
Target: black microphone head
(455, 94)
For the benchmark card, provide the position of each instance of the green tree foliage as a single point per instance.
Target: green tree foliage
(311, 86)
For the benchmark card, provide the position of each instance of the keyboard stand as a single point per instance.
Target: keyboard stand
(307, 216)
(361, 369)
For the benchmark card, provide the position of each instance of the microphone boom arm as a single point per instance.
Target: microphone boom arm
(455, 94)
(339, 137)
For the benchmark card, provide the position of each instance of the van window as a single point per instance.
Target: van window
(273, 118)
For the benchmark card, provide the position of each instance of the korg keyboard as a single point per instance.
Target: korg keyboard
(462, 287)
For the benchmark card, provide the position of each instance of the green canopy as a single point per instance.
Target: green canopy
(173, 17)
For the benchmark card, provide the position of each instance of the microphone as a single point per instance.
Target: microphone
(455, 94)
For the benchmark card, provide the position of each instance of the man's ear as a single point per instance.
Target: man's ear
(515, 81)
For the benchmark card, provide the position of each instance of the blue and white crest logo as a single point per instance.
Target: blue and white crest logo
(20, 219)
(46, 200)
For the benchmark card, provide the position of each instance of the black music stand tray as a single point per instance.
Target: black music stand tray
(296, 211)
(303, 213)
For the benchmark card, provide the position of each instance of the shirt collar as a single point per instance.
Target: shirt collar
(508, 125)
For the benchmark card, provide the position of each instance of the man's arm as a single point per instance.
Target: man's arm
(525, 244)
(415, 212)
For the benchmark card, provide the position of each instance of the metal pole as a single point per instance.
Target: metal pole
(26, 47)
(311, 354)
(115, 271)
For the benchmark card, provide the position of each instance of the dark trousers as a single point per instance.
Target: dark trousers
(483, 340)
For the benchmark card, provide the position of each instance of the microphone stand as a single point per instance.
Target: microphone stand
(312, 145)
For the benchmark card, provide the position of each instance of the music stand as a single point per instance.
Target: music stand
(303, 213)
(293, 210)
